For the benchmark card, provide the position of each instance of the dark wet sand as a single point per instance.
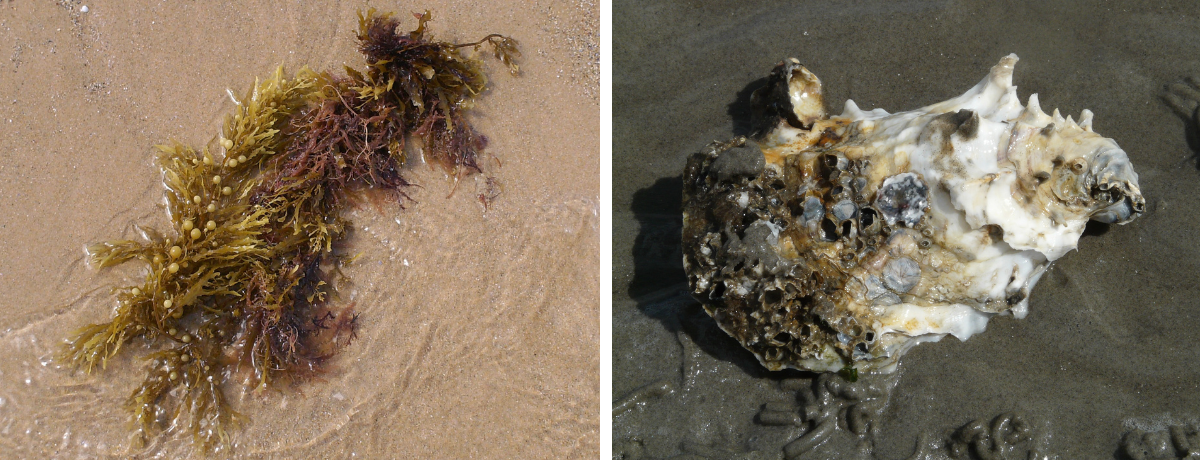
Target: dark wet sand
(1112, 339)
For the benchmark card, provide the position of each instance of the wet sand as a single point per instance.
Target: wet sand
(478, 327)
(1111, 342)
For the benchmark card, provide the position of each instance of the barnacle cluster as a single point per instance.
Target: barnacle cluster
(797, 269)
(242, 285)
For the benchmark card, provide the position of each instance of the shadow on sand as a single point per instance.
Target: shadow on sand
(1183, 98)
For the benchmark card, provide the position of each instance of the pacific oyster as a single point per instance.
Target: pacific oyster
(830, 243)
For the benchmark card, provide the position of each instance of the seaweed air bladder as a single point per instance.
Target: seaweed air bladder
(244, 282)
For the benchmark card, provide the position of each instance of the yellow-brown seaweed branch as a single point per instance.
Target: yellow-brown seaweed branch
(243, 287)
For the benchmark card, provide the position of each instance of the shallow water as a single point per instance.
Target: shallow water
(478, 326)
(1111, 342)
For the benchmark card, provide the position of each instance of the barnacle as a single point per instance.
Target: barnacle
(243, 284)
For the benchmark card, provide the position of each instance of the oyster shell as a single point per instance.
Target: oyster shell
(826, 243)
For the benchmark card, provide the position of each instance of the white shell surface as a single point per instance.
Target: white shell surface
(975, 183)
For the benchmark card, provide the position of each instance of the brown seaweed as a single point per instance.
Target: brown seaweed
(244, 284)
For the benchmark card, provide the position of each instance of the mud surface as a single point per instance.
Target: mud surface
(1104, 365)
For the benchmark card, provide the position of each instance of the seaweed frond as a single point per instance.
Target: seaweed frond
(430, 84)
(243, 283)
(117, 252)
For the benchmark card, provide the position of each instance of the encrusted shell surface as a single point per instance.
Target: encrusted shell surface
(824, 243)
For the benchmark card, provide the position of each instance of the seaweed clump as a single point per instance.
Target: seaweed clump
(241, 288)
